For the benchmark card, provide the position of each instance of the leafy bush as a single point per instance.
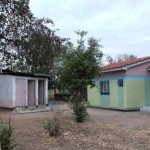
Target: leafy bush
(6, 141)
(53, 125)
(79, 110)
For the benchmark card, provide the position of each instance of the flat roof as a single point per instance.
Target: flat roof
(23, 74)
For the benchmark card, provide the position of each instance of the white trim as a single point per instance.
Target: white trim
(139, 63)
(127, 67)
(46, 91)
(116, 69)
(36, 93)
(26, 100)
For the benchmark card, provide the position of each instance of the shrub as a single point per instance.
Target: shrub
(53, 125)
(79, 110)
(6, 141)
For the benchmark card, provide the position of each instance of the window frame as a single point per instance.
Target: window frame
(104, 87)
(120, 83)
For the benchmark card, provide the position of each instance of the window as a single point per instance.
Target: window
(104, 88)
(120, 82)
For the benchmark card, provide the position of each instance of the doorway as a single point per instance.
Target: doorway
(31, 93)
(20, 92)
(41, 92)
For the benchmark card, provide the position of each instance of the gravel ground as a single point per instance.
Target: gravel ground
(104, 129)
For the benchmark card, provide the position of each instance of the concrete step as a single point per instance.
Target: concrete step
(145, 109)
(32, 109)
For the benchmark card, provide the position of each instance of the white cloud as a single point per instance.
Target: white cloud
(121, 24)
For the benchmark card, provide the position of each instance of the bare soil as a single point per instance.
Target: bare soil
(104, 129)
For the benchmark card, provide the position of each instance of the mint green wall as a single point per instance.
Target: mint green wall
(106, 101)
(135, 93)
(94, 95)
(116, 97)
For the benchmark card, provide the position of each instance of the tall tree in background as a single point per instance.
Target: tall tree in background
(41, 48)
(79, 66)
(26, 42)
(124, 57)
(119, 58)
(15, 20)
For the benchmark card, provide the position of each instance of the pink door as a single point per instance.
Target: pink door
(31, 93)
(20, 92)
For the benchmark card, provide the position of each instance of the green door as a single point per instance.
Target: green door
(147, 92)
(120, 97)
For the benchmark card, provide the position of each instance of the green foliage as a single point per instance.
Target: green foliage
(40, 49)
(6, 141)
(119, 58)
(15, 20)
(80, 65)
(79, 107)
(53, 126)
(26, 42)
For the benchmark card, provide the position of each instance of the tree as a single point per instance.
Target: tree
(110, 59)
(15, 19)
(78, 68)
(119, 58)
(124, 57)
(41, 48)
(26, 42)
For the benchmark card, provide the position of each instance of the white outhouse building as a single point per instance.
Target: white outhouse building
(18, 89)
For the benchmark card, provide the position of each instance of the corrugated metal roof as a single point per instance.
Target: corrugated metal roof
(24, 74)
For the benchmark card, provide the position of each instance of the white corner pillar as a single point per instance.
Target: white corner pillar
(36, 93)
(26, 99)
(46, 92)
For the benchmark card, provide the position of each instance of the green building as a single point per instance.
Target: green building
(124, 85)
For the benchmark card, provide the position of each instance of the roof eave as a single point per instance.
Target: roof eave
(42, 75)
(138, 63)
(116, 69)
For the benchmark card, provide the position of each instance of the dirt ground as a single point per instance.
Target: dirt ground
(104, 129)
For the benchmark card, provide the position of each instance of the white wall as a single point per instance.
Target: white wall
(7, 87)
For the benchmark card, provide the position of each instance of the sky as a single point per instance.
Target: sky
(123, 26)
